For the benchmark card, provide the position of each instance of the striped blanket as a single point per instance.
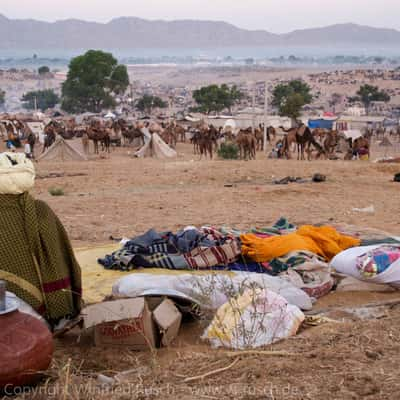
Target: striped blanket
(161, 251)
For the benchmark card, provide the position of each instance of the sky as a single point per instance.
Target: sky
(276, 16)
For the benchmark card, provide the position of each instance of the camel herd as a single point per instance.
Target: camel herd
(322, 143)
(206, 139)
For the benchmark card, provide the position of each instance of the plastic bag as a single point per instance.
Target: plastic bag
(209, 291)
(257, 318)
(346, 263)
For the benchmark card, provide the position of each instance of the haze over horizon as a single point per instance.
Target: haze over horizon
(276, 16)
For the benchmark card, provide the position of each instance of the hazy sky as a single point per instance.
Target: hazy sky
(273, 15)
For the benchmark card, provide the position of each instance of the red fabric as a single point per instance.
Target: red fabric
(57, 285)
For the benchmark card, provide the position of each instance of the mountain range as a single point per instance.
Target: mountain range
(132, 32)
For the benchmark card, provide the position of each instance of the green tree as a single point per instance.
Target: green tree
(292, 105)
(214, 98)
(43, 70)
(291, 97)
(44, 99)
(368, 93)
(147, 103)
(119, 79)
(92, 81)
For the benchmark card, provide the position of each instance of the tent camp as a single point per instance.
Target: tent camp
(63, 150)
(154, 146)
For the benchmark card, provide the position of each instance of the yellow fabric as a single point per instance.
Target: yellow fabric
(24, 284)
(97, 282)
(229, 316)
(324, 241)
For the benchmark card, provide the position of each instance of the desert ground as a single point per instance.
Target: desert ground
(121, 196)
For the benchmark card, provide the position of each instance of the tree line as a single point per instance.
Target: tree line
(95, 79)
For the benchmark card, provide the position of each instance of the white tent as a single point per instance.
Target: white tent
(230, 124)
(154, 146)
(352, 134)
(110, 115)
(63, 150)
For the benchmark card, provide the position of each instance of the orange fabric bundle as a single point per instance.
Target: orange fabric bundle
(324, 241)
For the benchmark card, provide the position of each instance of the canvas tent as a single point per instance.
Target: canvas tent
(63, 150)
(352, 134)
(154, 146)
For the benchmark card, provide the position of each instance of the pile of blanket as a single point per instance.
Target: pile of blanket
(300, 255)
(190, 248)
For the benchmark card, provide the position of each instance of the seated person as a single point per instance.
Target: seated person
(36, 257)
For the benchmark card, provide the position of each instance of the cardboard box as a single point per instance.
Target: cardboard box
(168, 319)
(131, 322)
(126, 322)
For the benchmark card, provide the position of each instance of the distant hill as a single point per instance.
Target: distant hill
(343, 34)
(131, 32)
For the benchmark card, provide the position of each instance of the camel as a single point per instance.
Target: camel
(331, 141)
(205, 143)
(59, 129)
(31, 138)
(195, 140)
(319, 133)
(79, 131)
(66, 129)
(179, 131)
(288, 141)
(169, 135)
(50, 137)
(304, 140)
(259, 135)
(228, 133)
(214, 134)
(247, 144)
(130, 132)
(97, 133)
(114, 131)
(271, 132)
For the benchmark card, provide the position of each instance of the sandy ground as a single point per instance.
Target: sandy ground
(122, 196)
